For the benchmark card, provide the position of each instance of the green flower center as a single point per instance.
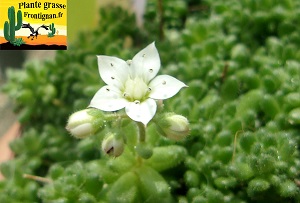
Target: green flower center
(136, 90)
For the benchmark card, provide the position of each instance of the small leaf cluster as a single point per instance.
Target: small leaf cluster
(18, 42)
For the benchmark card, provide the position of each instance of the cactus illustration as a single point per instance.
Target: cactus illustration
(9, 27)
(53, 30)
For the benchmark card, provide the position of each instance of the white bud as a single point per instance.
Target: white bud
(113, 146)
(80, 124)
(176, 127)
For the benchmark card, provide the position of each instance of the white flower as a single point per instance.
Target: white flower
(132, 85)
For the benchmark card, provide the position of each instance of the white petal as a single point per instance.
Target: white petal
(164, 87)
(146, 63)
(113, 71)
(108, 98)
(142, 112)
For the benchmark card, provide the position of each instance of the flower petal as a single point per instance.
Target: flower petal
(146, 63)
(108, 98)
(164, 87)
(113, 71)
(142, 112)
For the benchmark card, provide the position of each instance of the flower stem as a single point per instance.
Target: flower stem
(37, 178)
(142, 132)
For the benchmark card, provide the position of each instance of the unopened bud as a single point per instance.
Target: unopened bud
(82, 124)
(175, 127)
(113, 146)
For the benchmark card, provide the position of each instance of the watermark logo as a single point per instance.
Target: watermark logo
(33, 25)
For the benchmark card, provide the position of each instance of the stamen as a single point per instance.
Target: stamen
(149, 88)
(150, 70)
(107, 89)
(129, 62)
(137, 102)
(112, 65)
(164, 82)
(112, 77)
(144, 55)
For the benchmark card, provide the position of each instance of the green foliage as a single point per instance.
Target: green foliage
(53, 30)
(241, 63)
(18, 42)
(9, 27)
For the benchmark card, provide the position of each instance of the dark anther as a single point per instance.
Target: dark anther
(111, 150)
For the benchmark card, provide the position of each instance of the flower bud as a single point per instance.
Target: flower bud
(82, 124)
(113, 146)
(175, 127)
